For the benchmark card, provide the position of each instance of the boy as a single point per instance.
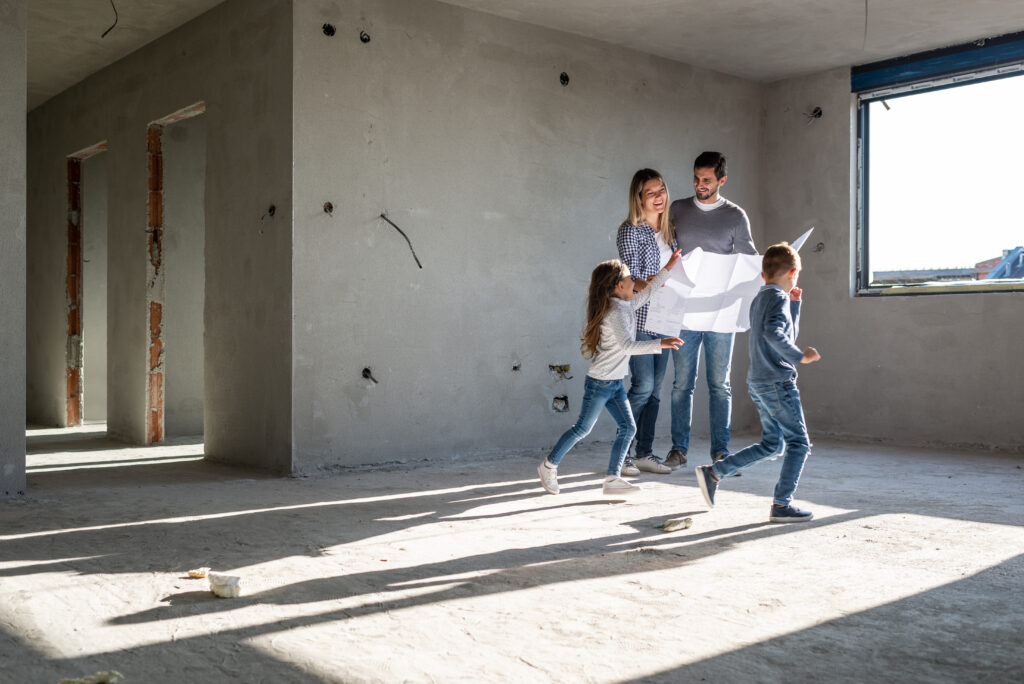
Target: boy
(772, 384)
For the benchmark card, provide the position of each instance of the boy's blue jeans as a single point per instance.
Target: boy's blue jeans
(599, 394)
(717, 365)
(782, 427)
(646, 374)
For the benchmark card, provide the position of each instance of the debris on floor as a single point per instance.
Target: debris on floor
(673, 524)
(198, 573)
(225, 586)
(98, 678)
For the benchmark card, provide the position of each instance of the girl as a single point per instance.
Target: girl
(609, 340)
(646, 240)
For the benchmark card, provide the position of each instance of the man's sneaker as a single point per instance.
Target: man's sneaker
(649, 464)
(708, 482)
(676, 459)
(629, 468)
(787, 514)
(548, 476)
(614, 486)
(719, 457)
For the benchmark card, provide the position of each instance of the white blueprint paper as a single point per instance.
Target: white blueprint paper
(710, 292)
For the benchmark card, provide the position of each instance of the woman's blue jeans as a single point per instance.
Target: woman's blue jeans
(782, 427)
(599, 394)
(646, 374)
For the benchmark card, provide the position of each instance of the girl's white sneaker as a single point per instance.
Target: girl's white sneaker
(548, 477)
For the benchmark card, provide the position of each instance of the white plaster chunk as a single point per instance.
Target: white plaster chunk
(225, 586)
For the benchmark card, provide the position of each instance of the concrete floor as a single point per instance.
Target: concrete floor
(912, 571)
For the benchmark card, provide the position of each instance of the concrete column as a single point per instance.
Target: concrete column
(13, 84)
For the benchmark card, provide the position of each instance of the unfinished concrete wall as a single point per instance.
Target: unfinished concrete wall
(510, 187)
(236, 58)
(912, 370)
(13, 27)
(184, 237)
(95, 187)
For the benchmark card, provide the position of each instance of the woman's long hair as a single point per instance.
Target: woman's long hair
(603, 280)
(636, 206)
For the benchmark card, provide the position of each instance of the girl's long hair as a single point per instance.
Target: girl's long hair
(603, 280)
(636, 207)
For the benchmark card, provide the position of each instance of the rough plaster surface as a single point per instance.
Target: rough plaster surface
(465, 571)
(510, 188)
(941, 369)
(236, 59)
(95, 189)
(184, 160)
(13, 18)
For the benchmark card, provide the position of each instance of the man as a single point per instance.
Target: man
(713, 223)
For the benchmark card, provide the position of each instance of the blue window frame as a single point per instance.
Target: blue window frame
(935, 212)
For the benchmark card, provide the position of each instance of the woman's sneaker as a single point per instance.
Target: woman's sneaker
(548, 476)
(616, 485)
(786, 514)
(649, 464)
(629, 468)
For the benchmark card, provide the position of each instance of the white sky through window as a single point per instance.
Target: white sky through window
(946, 176)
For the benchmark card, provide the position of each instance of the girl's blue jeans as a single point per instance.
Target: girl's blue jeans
(782, 429)
(599, 394)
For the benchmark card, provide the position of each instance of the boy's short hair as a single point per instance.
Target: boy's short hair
(779, 259)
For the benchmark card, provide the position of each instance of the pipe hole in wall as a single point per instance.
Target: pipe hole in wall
(563, 78)
(329, 30)
(364, 36)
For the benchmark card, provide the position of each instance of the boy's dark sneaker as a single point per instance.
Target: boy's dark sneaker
(708, 482)
(719, 457)
(787, 514)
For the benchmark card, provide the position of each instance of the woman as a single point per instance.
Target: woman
(646, 242)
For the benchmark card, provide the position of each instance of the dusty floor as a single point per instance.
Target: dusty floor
(912, 571)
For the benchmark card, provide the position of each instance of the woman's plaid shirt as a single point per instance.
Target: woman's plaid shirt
(638, 249)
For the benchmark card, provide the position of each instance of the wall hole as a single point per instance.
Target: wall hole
(561, 371)
(368, 374)
(328, 208)
(563, 78)
(364, 36)
(329, 30)
(560, 404)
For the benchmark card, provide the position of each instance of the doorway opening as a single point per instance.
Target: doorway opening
(176, 280)
(86, 287)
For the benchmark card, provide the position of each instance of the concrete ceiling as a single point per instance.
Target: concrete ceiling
(65, 44)
(763, 40)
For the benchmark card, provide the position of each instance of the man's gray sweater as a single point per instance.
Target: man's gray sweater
(723, 230)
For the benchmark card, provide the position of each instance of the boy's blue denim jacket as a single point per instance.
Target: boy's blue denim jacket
(773, 326)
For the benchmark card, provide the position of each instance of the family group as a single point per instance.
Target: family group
(616, 341)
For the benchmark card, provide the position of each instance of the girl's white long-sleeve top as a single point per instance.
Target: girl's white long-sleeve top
(618, 334)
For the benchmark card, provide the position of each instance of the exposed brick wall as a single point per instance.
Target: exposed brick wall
(74, 294)
(155, 229)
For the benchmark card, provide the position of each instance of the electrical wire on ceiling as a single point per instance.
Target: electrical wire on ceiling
(863, 44)
(116, 17)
